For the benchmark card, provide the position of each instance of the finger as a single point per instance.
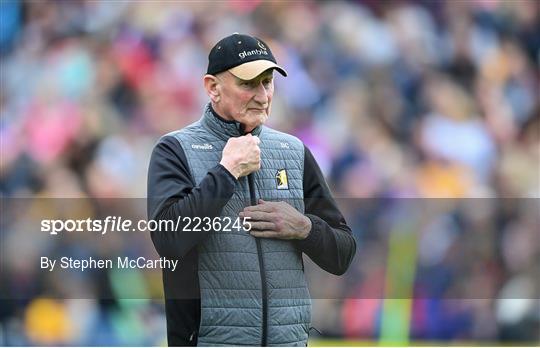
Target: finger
(263, 226)
(257, 215)
(257, 140)
(269, 203)
(265, 234)
(265, 207)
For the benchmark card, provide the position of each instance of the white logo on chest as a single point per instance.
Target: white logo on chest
(205, 146)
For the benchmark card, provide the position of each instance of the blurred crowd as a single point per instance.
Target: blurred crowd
(424, 116)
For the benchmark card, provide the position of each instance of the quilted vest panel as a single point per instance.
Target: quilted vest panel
(229, 272)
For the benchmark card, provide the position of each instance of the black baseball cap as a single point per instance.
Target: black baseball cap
(246, 57)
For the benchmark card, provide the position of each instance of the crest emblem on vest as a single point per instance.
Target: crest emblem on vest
(282, 182)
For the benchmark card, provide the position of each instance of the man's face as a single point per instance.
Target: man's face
(246, 101)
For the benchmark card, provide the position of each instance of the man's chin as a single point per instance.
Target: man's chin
(260, 117)
(263, 120)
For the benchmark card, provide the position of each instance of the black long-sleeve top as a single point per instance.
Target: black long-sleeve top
(172, 192)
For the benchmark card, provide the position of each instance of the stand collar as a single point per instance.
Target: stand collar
(223, 128)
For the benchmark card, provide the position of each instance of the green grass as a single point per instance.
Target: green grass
(316, 342)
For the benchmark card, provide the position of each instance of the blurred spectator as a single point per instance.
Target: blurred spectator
(432, 104)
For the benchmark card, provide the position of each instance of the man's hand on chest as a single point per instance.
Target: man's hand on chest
(276, 220)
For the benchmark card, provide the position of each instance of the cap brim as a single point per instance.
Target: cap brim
(251, 70)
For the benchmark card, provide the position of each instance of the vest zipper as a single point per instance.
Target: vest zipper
(253, 198)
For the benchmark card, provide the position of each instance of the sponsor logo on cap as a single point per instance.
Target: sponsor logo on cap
(257, 52)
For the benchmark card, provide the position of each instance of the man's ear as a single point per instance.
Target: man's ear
(211, 84)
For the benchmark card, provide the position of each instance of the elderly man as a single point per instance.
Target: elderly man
(260, 200)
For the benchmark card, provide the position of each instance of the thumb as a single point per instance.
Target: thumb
(261, 201)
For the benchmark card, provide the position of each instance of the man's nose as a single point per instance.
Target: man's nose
(261, 94)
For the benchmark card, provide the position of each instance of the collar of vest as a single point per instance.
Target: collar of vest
(223, 128)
